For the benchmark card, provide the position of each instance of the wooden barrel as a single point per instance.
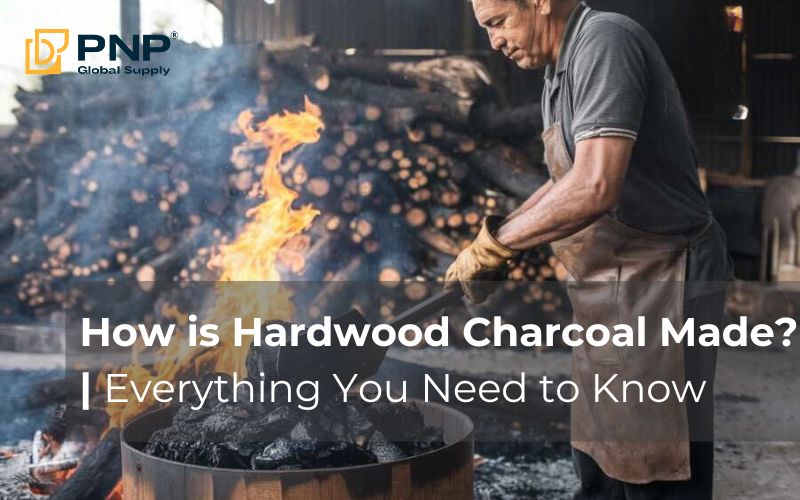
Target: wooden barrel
(446, 473)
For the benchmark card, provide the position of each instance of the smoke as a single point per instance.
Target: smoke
(126, 166)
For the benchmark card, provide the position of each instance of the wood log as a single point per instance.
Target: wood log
(508, 170)
(306, 62)
(17, 206)
(331, 297)
(98, 473)
(440, 242)
(493, 121)
(441, 107)
(460, 76)
(12, 171)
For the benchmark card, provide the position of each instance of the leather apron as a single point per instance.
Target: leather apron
(618, 273)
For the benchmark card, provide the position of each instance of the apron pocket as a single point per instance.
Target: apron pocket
(595, 302)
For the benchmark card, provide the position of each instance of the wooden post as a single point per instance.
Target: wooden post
(228, 22)
(129, 19)
(746, 162)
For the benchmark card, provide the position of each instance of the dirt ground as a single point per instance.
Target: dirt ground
(757, 411)
(758, 448)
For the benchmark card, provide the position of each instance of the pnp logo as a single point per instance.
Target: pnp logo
(49, 64)
(135, 52)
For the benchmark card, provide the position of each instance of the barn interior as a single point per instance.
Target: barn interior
(117, 193)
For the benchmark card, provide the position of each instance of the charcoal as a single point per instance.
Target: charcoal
(224, 418)
(223, 456)
(173, 443)
(213, 399)
(250, 399)
(383, 449)
(190, 449)
(302, 431)
(186, 415)
(283, 452)
(398, 422)
(263, 359)
(277, 436)
(329, 422)
(358, 426)
(425, 440)
(245, 448)
(254, 434)
(340, 454)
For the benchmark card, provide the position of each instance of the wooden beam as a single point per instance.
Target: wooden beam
(129, 19)
(228, 22)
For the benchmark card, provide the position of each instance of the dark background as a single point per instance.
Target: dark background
(704, 54)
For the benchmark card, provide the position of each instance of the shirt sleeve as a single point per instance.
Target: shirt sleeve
(610, 79)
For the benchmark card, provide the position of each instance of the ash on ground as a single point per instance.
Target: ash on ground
(514, 462)
(524, 476)
(14, 462)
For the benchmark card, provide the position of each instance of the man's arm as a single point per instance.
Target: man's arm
(590, 190)
(532, 200)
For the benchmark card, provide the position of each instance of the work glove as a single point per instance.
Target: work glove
(479, 261)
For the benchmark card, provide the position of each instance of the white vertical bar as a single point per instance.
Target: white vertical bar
(85, 390)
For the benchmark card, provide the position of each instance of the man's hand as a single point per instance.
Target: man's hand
(484, 256)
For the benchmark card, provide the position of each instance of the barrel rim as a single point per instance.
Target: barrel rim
(464, 418)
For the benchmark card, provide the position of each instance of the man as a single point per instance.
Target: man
(623, 209)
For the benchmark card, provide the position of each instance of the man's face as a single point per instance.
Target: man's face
(514, 29)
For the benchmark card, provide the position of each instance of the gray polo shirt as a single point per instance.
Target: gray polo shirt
(612, 80)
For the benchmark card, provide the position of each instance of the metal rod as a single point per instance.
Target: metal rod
(764, 252)
(425, 309)
(779, 139)
(796, 239)
(776, 247)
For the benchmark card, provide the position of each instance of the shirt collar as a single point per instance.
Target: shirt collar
(573, 27)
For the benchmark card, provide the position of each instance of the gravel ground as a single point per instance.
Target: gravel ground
(14, 471)
(517, 478)
(18, 422)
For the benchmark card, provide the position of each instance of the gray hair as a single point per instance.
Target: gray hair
(521, 3)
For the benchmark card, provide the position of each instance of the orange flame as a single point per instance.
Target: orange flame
(251, 257)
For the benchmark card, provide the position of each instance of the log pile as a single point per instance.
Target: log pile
(113, 178)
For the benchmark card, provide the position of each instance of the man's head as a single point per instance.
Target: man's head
(524, 30)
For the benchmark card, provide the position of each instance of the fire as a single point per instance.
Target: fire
(253, 256)
(269, 235)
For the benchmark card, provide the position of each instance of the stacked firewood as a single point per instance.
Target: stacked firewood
(117, 178)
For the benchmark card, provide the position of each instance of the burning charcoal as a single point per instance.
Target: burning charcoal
(358, 427)
(283, 452)
(301, 431)
(244, 448)
(341, 454)
(220, 455)
(272, 424)
(186, 415)
(214, 396)
(425, 440)
(224, 418)
(245, 396)
(254, 434)
(396, 421)
(383, 449)
(263, 359)
(174, 443)
(329, 422)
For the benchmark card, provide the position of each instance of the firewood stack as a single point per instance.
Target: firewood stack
(115, 178)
